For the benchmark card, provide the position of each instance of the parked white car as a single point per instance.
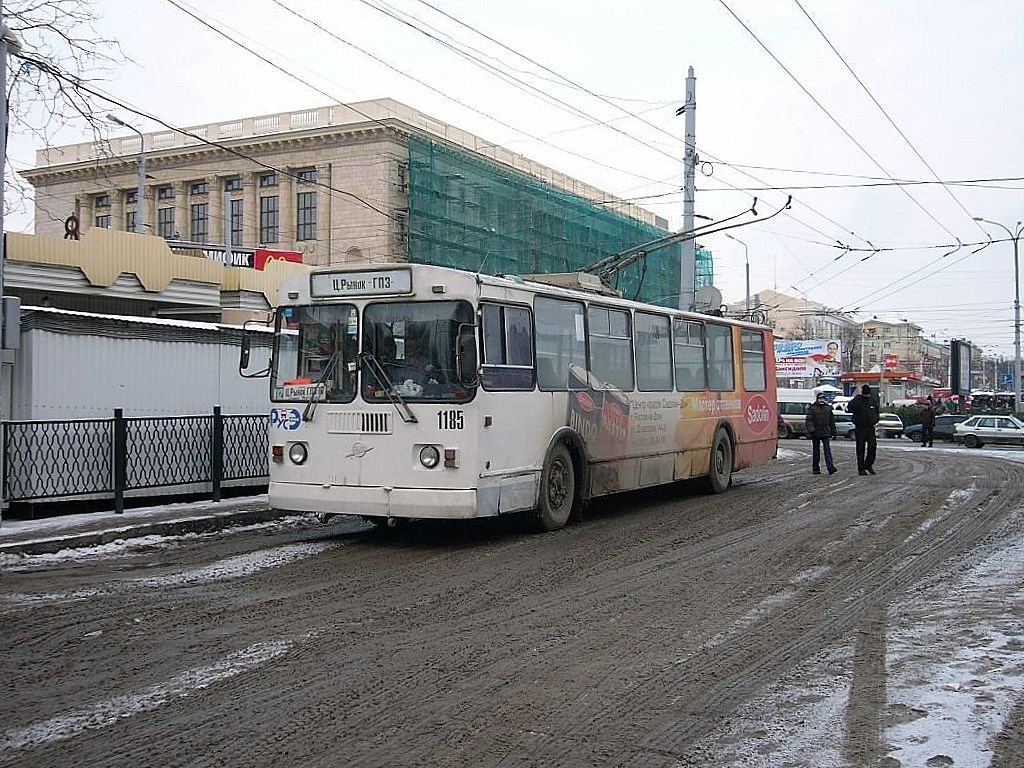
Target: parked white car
(889, 425)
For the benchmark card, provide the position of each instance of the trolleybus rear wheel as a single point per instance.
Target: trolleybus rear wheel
(557, 490)
(720, 470)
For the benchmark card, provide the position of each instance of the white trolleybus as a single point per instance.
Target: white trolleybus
(413, 391)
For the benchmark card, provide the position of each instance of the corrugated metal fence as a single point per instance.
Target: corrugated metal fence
(58, 460)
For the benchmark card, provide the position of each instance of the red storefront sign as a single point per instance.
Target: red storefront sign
(263, 255)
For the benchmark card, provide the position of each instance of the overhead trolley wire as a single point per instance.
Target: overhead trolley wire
(881, 109)
(830, 116)
(612, 104)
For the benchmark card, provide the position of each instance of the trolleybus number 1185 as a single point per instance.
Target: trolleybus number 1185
(450, 420)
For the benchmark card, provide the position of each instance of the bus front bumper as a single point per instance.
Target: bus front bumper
(375, 501)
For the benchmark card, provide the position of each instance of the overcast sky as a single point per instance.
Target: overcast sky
(777, 108)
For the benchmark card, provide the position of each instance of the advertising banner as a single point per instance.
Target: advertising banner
(263, 255)
(807, 358)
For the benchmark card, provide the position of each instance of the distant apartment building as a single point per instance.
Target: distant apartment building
(373, 181)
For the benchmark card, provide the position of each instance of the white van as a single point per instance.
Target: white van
(793, 405)
(841, 404)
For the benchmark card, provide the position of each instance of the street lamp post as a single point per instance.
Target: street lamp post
(1015, 238)
(746, 261)
(140, 206)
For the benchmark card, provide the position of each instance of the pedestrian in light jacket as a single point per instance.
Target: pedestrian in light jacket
(864, 410)
(821, 428)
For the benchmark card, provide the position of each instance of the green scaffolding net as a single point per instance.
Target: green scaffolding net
(470, 213)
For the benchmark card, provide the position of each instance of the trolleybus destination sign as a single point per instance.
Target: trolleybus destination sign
(376, 283)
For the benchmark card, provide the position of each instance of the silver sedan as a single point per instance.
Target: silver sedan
(978, 430)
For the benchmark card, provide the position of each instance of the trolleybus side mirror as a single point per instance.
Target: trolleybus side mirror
(245, 353)
(465, 355)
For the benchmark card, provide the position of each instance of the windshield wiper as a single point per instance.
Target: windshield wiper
(374, 366)
(314, 397)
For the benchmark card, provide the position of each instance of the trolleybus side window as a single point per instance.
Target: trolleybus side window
(508, 347)
(754, 377)
(721, 372)
(653, 353)
(561, 342)
(688, 348)
(415, 344)
(316, 353)
(611, 347)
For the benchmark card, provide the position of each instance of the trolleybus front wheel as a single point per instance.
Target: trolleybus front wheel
(557, 490)
(720, 470)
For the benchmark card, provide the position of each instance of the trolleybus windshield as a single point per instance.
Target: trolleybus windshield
(417, 347)
(315, 354)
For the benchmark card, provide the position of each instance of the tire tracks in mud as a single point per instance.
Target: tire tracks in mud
(621, 641)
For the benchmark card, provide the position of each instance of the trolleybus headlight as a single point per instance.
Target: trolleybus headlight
(298, 453)
(429, 456)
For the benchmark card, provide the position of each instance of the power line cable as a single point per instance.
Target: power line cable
(886, 114)
(612, 104)
(830, 116)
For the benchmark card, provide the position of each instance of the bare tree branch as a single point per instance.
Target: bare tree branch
(56, 35)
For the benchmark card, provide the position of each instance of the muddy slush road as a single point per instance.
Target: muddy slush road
(761, 627)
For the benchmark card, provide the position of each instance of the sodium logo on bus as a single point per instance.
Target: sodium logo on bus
(585, 400)
(759, 413)
(285, 418)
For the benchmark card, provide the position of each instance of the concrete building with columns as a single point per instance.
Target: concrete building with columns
(373, 181)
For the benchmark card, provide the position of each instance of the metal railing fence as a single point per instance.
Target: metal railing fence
(53, 460)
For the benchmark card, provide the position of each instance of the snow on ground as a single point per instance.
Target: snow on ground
(956, 663)
(954, 669)
(236, 567)
(106, 713)
(140, 515)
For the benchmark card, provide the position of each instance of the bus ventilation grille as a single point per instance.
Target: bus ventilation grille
(360, 423)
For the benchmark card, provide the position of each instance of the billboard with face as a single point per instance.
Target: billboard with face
(810, 358)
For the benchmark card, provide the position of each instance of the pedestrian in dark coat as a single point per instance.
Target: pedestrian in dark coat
(927, 424)
(821, 428)
(864, 410)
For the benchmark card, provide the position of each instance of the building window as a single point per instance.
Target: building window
(268, 179)
(236, 222)
(200, 188)
(269, 219)
(129, 221)
(305, 223)
(102, 201)
(165, 193)
(402, 226)
(131, 196)
(103, 222)
(165, 222)
(200, 223)
(306, 174)
(233, 184)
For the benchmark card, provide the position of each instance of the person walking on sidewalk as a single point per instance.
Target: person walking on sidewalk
(927, 424)
(864, 409)
(821, 428)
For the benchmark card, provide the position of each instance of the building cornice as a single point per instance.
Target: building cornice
(229, 150)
